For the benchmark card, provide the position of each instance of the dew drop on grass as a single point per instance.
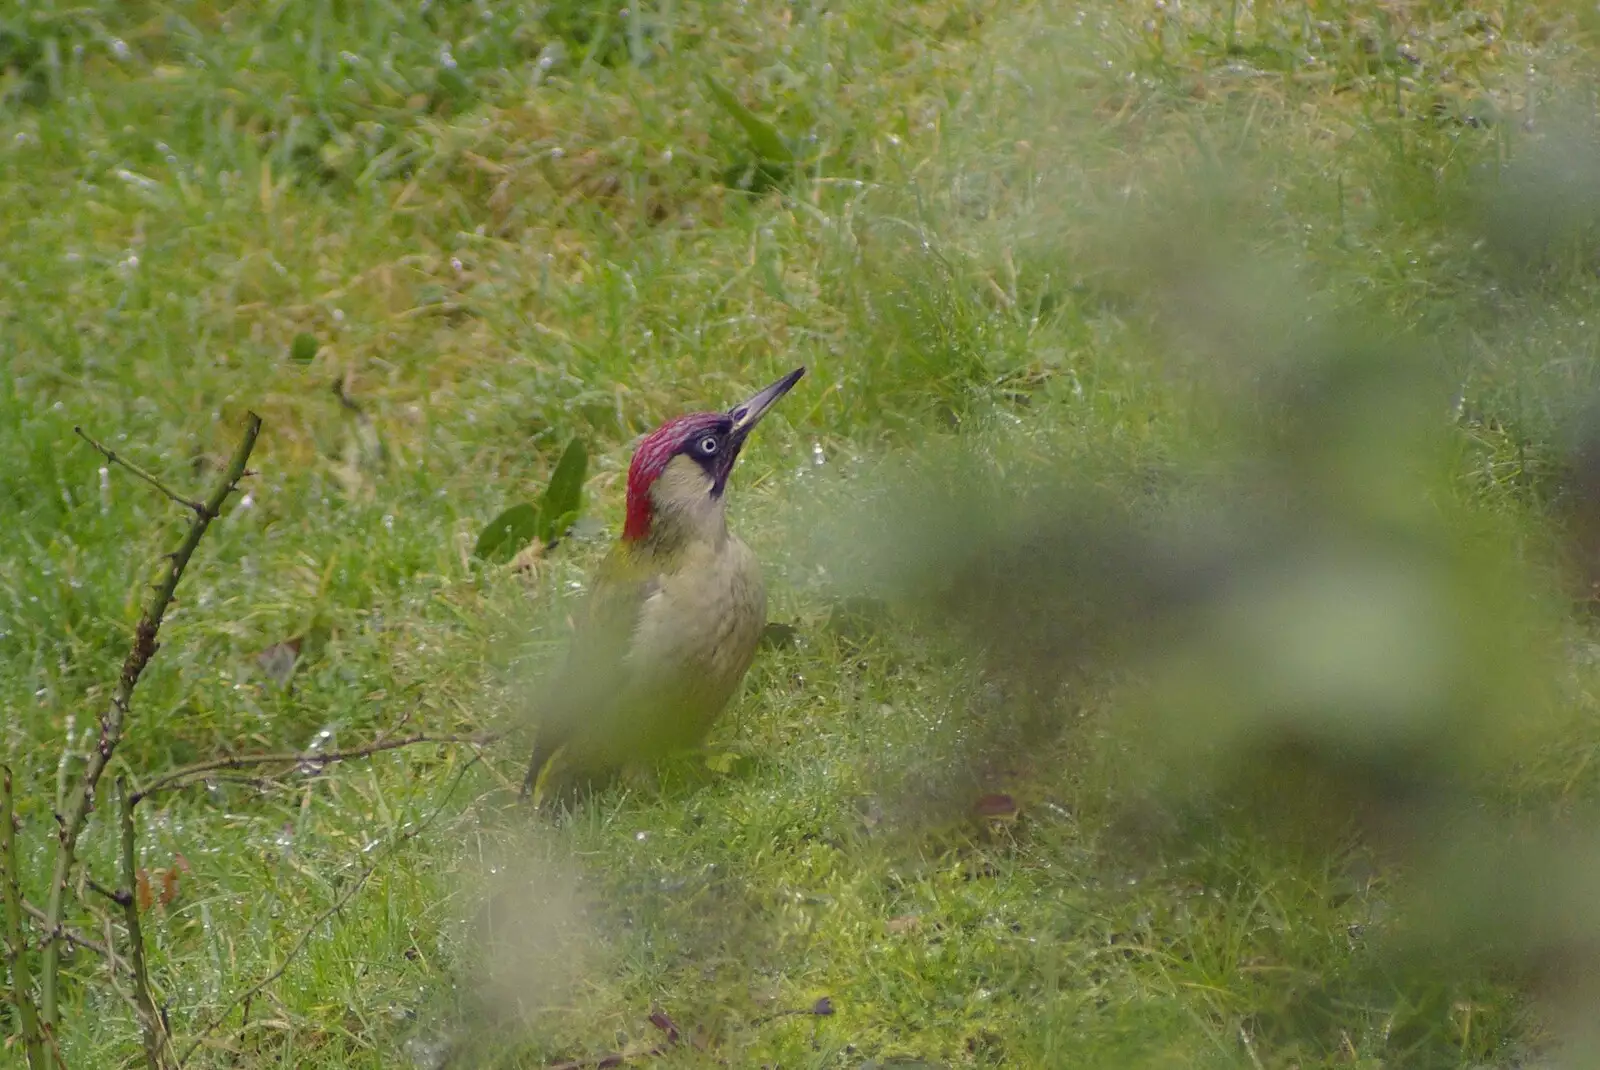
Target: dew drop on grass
(428, 1054)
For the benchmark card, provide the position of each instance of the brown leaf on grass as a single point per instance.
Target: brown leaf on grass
(996, 807)
(905, 923)
(169, 885)
(659, 1019)
(142, 892)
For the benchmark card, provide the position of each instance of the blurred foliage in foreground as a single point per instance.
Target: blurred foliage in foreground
(1244, 349)
(1293, 633)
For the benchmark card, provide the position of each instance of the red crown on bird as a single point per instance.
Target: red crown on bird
(711, 439)
(652, 457)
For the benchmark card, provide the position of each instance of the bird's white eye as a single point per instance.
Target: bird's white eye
(707, 446)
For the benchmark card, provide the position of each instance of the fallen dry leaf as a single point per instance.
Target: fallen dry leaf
(997, 807)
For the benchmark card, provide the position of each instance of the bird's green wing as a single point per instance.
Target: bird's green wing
(622, 584)
(583, 693)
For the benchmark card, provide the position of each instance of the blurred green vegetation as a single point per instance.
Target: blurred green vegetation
(1205, 391)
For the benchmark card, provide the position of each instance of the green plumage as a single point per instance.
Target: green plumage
(673, 617)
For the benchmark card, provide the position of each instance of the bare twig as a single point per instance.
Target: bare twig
(81, 802)
(16, 950)
(822, 1008)
(117, 459)
(114, 962)
(99, 889)
(157, 1044)
(182, 777)
(348, 894)
(80, 939)
(609, 1060)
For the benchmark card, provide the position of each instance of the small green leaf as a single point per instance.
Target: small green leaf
(304, 348)
(731, 763)
(507, 533)
(764, 137)
(563, 498)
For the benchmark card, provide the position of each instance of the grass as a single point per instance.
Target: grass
(1033, 230)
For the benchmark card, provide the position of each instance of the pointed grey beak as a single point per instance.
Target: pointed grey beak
(747, 415)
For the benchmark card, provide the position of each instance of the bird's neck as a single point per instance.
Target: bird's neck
(674, 527)
(677, 510)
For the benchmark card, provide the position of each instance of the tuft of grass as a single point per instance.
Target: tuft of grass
(1030, 230)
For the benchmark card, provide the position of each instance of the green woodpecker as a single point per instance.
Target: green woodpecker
(674, 613)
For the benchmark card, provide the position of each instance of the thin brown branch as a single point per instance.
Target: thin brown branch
(822, 1008)
(112, 894)
(17, 961)
(81, 803)
(321, 919)
(156, 1042)
(114, 962)
(121, 461)
(79, 939)
(315, 760)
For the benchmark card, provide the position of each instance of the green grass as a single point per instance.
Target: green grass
(1039, 232)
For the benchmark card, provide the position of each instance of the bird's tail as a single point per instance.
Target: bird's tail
(544, 749)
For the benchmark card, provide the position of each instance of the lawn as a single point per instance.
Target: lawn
(1024, 244)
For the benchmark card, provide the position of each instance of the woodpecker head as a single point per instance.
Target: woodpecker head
(681, 468)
